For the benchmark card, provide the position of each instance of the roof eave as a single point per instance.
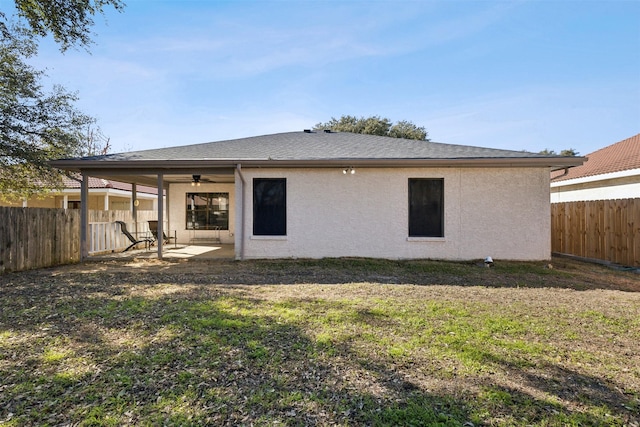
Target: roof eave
(555, 163)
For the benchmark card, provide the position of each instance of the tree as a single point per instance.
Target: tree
(68, 21)
(569, 152)
(407, 130)
(37, 126)
(548, 152)
(375, 125)
(94, 143)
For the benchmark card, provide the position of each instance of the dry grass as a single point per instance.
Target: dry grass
(326, 342)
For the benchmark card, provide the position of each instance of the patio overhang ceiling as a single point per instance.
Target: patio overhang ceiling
(145, 172)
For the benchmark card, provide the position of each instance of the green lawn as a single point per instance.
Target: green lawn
(328, 342)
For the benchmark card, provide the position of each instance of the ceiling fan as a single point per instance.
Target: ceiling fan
(197, 179)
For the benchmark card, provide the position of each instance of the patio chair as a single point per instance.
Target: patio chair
(153, 227)
(123, 227)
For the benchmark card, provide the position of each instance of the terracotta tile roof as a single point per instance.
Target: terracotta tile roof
(117, 185)
(621, 156)
(93, 183)
(106, 183)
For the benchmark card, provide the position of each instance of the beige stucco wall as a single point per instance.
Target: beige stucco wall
(96, 202)
(503, 213)
(619, 188)
(177, 210)
(47, 202)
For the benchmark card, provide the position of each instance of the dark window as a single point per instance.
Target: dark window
(207, 211)
(426, 207)
(269, 207)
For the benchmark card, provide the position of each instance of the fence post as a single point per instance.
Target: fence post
(84, 217)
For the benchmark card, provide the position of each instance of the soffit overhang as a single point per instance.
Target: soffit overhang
(222, 170)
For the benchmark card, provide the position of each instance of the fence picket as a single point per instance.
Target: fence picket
(608, 230)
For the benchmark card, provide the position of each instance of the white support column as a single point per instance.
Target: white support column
(168, 211)
(160, 214)
(106, 201)
(65, 202)
(240, 213)
(84, 217)
(134, 206)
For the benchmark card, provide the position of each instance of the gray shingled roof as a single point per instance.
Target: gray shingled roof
(317, 146)
(298, 150)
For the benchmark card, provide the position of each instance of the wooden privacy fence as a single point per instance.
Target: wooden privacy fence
(39, 237)
(34, 238)
(607, 230)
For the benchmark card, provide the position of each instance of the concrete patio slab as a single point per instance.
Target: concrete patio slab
(176, 251)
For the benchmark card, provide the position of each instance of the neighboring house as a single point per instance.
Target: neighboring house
(612, 172)
(104, 194)
(333, 194)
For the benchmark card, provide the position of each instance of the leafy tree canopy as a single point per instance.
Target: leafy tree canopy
(375, 125)
(569, 152)
(68, 21)
(38, 125)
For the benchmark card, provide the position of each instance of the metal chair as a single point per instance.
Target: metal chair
(133, 240)
(153, 227)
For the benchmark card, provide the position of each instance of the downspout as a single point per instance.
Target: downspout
(566, 172)
(243, 184)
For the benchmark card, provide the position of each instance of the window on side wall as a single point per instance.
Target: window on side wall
(207, 211)
(426, 207)
(269, 207)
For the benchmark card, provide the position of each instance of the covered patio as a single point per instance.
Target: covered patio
(187, 235)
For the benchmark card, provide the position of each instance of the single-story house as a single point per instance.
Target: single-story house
(315, 194)
(104, 194)
(613, 172)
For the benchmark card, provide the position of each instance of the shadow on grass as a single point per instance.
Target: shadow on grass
(564, 274)
(107, 349)
(91, 355)
(550, 394)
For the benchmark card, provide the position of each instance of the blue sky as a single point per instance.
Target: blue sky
(521, 75)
